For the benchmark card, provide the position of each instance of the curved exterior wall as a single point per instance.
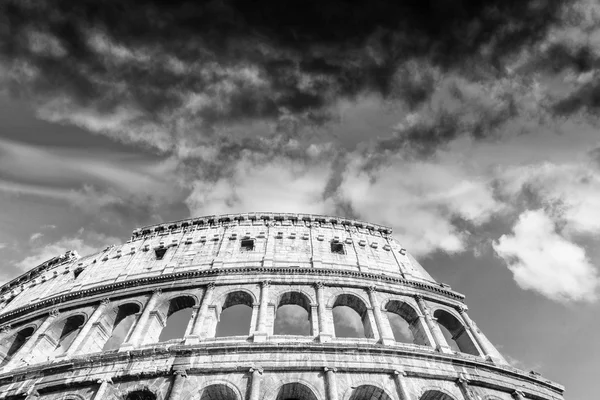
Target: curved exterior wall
(207, 264)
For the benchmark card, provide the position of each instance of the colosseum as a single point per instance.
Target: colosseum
(258, 306)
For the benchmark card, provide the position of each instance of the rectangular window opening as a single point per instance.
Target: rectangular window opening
(337, 248)
(247, 244)
(160, 252)
(77, 272)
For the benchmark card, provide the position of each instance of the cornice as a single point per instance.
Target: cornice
(152, 280)
(219, 220)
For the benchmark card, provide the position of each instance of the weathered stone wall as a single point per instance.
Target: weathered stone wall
(56, 319)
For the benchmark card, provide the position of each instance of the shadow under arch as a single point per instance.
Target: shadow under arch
(454, 331)
(295, 391)
(406, 324)
(356, 304)
(289, 317)
(368, 392)
(219, 391)
(10, 345)
(435, 395)
(140, 394)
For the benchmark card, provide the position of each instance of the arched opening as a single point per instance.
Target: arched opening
(435, 395)
(178, 316)
(369, 392)
(405, 323)
(12, 344)
(293, 315)
(295, 391)
(235, 315)
(69, 332)
(126, 315)
(350, 317)
(455, 333)
(218, 392)
(143, 394)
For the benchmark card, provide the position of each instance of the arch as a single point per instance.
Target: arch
(342, 321)
(435, 394)
(57, 339)
(411, 329)
(120, 322)
(295, 391)
(288, 319)
(177, 317)
(367, 392)
(71, 326)
(455, 332)
(237, 320)
(74, 396)
(140, 394)
(235, 297)
(10, 345)
(219, 391)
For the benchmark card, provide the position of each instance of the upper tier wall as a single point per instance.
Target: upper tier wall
(278, 240)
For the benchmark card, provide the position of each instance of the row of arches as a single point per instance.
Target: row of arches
(289, 391)
(176, 317)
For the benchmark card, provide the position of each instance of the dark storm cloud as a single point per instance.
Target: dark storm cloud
(256, 59)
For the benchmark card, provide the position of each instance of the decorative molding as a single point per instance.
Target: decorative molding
(226, 271)
(256, 369)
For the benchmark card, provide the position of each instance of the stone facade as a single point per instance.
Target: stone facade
(56, 319)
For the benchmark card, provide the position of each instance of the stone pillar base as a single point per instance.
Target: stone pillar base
(259, 337)
(387, 341)
(445, 349)
(191, 339)
(324, 337)
(126, 347)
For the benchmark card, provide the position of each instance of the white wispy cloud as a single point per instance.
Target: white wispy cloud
(84, 243)
(259, 184)
(544, 261)
(36, 236)
(420, 199)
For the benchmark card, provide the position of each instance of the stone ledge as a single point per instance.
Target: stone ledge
(54, 301)
(179, 352)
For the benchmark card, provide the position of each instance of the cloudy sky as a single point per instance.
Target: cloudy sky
(468, 126)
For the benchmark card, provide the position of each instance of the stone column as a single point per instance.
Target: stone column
(255, 384)
(32, 393)
(489, 352)
(385, 332)
(179, 377)
(400, 385)
(254, 318)
(25, 350)
(518, 395)
(438, 337)
(101, 392)
(269, 254)
(140, 327)
(261, 334)
(463, 384)
(314, 319)
(192, 322)
(198, 331)
(84, 333)
(324, 333)
(331, 383)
